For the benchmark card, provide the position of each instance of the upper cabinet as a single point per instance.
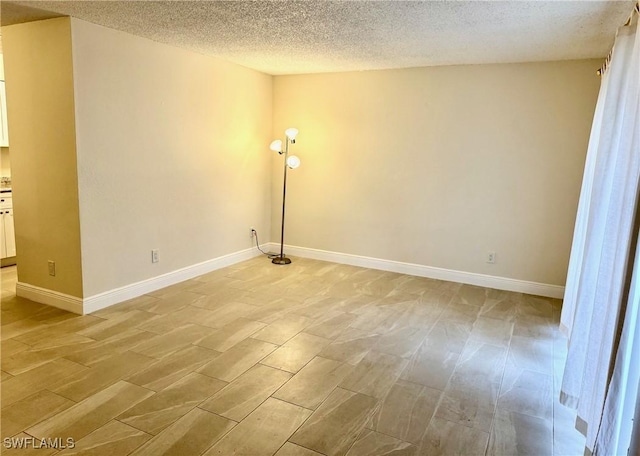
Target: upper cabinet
(4, 131)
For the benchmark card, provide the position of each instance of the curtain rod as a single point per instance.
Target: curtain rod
(605, 66)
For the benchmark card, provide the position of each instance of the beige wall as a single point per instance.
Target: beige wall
(438, 166)
(5, 159)
(40, 113)
(434, 166)
(5, 162)
(172, 154)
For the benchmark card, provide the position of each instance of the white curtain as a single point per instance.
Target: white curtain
(602, 245)
(622, 397)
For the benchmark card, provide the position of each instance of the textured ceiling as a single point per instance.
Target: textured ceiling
(286, 37)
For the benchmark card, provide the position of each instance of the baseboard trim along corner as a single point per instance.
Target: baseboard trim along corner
(117, 295)
(102, 300)
(431, 272)
(49, 297)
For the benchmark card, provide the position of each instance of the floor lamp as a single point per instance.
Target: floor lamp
(289, 162)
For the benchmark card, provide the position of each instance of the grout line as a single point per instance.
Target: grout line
(137, 429)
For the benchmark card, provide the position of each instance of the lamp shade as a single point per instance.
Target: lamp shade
(276, 145)
(293, 162)
(291, 133)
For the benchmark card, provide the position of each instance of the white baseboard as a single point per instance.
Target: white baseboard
(49, 297)
(449, 275)
(111, 297)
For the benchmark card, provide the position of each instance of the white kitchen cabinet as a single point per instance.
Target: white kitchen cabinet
(4, 130)
(7, 233)
(3, 243)
(9, 243)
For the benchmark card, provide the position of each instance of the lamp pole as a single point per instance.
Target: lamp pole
(283, 259)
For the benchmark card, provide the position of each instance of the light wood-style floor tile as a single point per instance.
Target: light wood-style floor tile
(114, 438)
(317, 306)
(375, 374)
(406, 411)
(129, 304)
(491, 331)
(190, 435)
(171, 368)
(534, 326)
(32, 381)
(444, 438)
(24, 444)
(297, 352)
(170, 302)
(43, 337)
(375, 319)
(31, 410)
(501, 309)
(371, 442)
(314, 358)
(247, 392)
(230, 334)
(472, 295)
(217, 292)
(14, 307)
(449, 336)
(30, 359)
(273, 310)
(155, 413)
(237, 360)
(402, 341)
(470, 404)
(92, 413)
(291, 449)
(175, 289)
(531, 354)
(263, 431)
(102, 349)
(83, 384)
(431, 367)
(166, 344)
(535, 306)
(515, 433)
(529, 393)
(20, 327)
(11, 346)
(111, 327)
(223, 313)
(283, 329)
(337, 423)
(161, 324)
(332, 326)
(480, 361)
(459, 312)
(309, 387)
(351, 346)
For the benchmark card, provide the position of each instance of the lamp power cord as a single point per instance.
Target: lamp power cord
(269, 255)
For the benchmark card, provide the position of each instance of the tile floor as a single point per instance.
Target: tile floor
(306, 359)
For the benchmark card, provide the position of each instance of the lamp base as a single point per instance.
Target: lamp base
(281, 260)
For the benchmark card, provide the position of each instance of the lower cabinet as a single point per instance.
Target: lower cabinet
(8, 235)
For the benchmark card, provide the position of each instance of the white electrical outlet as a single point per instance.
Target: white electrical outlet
(52, 267)
(155, 255)
(252, 232)
(491, 257)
